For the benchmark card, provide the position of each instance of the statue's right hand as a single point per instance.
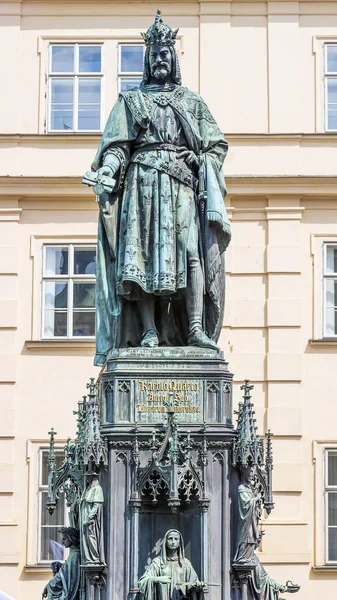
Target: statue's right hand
(106, 170)
(45, 592)
(163, 579)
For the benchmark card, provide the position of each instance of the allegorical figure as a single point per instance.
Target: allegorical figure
(91, 519)
(65, 583)
(260, 585)
(163, 228)
(171, 576)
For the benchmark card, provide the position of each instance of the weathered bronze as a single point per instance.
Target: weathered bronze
(171, 576)
(254, 494)
(66, 581)
(163, 230)
(91, 510)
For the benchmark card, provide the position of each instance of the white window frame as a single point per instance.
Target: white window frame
(124, 74)
(44, 488)
(327, 75)
(328, 489)
(70, 279)
(75, 76)
(326, 277)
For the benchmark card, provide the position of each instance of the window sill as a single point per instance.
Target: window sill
(324, 568)
(60, 344)
(324, 342)
(38, 569)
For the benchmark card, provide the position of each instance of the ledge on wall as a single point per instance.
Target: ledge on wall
(324, 342)
(324, 569)
(60, 344)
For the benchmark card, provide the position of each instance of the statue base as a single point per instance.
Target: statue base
(167, 416)
(138, 384)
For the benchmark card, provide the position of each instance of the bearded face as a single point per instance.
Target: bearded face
(160, 62)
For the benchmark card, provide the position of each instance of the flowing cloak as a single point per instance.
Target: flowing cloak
(183, 577)
(261, 586)
(247, 525)
(65, 584)
(92, 538)
(127, 133)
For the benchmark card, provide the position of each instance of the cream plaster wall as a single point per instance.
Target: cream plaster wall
(259, 67)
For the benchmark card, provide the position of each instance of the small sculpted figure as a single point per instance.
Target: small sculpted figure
(64, 585)
(170, 576)
(91, 509)
(163, 227)
(260, 585)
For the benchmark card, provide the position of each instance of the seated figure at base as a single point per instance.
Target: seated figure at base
(66, 581)
(170, 576)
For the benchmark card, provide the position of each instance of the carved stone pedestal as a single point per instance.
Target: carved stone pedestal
(166, 414)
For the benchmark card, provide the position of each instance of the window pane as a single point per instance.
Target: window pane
(90, 59)
(55, 324)
(332, 508)
(89, 91)
(331, 58)
(55, 294)
(132, 59)
(51, 546)
(57, 519)
(85, 261)
(331, 322)
(89, 118)
(332, 468)
(44, 467)
(332, 543)
(331, 259)
(84, 295)
(332, 118)
(331, 293)
(62, 59)
(61, 118)
(62, 91)
(56, 261)
(83, 323)
(128, 84)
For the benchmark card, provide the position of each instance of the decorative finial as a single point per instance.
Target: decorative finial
(246, 389)
(91, 386)
(159, 33)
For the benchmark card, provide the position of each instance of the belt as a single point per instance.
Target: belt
(170, 167)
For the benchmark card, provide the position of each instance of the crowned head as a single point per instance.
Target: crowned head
(160, 34)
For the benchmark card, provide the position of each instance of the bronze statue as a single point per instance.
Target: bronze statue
(163, 227)
(91, 519)
(64, 585)
(171, 576)
(249, 536)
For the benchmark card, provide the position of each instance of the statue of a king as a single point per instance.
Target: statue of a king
(163, 227)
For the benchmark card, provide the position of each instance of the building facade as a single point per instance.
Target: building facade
(268, 72)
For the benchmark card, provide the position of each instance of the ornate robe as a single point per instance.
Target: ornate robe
(147, 224)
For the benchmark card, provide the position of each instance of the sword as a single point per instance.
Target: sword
(191, 583)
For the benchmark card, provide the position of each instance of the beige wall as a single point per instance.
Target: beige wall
(259, 67)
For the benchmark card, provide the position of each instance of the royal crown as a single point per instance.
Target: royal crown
(159, 33)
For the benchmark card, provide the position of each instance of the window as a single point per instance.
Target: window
(49, 545)
(130, 66)
(331, 505)
(75, 87)
(330, 59)
(330, 290)
(68, 291)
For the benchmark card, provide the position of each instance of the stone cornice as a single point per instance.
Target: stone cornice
(234, 138)
(47, 188)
